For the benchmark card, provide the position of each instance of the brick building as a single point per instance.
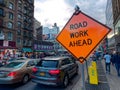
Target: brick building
(17, 22)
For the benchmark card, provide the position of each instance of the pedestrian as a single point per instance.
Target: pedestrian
(117, 62)
(107, 58)
(14, 55)
(112, 58)
(1, 56)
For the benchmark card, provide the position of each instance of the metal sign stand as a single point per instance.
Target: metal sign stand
(83, 77)
(81, 59)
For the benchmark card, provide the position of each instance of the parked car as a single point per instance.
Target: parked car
(54, 71)
(16, 71)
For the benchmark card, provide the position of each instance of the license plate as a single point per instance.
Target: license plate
(42, 74)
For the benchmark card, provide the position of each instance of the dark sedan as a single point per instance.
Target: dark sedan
(54, 71)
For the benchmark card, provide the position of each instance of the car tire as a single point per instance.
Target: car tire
(25, 79)
(65, 81)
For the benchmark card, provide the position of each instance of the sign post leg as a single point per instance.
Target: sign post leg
(87, 70)
(83, 77)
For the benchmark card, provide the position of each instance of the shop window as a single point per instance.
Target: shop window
(10, 25)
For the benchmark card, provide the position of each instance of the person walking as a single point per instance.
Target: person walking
(107, 58)
(117, 62)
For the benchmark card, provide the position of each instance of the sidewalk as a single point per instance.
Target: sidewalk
(113, 79)
(106, 81)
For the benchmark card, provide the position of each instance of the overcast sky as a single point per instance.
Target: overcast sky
(49, 12)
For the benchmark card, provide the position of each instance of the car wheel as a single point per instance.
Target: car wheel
(65, 81)
(25, 79)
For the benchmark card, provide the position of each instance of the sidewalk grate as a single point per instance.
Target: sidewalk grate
(102, 78)
(100, 86)
(103, 83)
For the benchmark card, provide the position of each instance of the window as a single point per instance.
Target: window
(18, 32)
(65, 61)
(25, 17)
(1, 32)
(19, 24)
(19, 2)
(25, 11)
(18, 40)
(10, 36)
(48, 63)
(10, 25)
(1, 22)
(11, 15)
(1, 1)
(30, 63)
(1, 12)
(30, 1)
(29, 43)
(11, 5)
(25, 33)
(25, 42)
(2, 36)
(19, 16)
(20, 7)
(14, 65)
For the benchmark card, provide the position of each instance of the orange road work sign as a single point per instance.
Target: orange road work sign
(81, 35)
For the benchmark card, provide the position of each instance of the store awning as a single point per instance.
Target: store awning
(27, 50)
(7, 47)
(43, 50)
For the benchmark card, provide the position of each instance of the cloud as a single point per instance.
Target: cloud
(52, 11)
(49, 12)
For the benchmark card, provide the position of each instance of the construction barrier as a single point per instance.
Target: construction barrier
(93, 74)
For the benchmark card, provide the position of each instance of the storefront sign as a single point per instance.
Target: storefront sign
(43, 47)
(5, 43)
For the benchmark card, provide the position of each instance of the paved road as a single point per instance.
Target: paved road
(33, 86)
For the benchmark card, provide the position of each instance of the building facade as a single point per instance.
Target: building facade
(49, 34)
(110, 41)
(37, 26)
(116, 22)
(17, 22)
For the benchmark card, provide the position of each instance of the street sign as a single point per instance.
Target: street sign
(81, 35)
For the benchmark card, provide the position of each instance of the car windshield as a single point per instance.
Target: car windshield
(48, 63)
(14, 65)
